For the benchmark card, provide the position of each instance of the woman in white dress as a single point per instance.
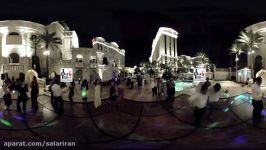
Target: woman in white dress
(97, 93)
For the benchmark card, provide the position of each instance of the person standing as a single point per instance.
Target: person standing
(97, 93)
(120, 89)
(200, 103)
(84, 90)
(7, 95)
(52, 95)
(154, 88)
(22, 89)
(113, 94)
(257, 100)
(160, 88)
(34, 93)
(214, 93)
(57, 93)
(71, 89)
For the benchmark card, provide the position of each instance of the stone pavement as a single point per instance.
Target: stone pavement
(145, 93)
(135, 125)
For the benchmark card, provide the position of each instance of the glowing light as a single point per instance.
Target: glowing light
(226, 109)
(79, 56)
(180, 86)
(19, 118)
(84, 93)
(46, 52)
(5, 122)
(213, 125)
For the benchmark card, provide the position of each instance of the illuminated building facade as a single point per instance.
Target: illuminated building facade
(164, 47)
(16, 49)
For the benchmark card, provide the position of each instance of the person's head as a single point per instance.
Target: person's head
(56, 81)
(217, 87)
(204, 89)
(34, 79)
(97, 82)
(259, 80)
(7, 81)
(207, 79)
(112, 83)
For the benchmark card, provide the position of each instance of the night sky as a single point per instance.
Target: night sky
(203, 25)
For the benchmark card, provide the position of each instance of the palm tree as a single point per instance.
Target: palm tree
(250, 41)
(237, 50)
(203, 56)
(51, 41)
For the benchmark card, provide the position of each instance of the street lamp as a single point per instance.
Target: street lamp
(47, 53)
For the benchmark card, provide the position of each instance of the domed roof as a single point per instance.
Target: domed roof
(114, 44)
(100, 39)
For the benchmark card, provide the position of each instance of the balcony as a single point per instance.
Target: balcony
(14, 67)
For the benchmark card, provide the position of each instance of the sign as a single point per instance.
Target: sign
(199, 74)
(66, 75)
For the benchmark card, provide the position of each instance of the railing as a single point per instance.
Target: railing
(13, 67)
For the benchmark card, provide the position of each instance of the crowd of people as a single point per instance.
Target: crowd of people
(206, 95)
(19, 86)
(26, 92)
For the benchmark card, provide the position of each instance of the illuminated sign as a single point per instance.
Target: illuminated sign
(199, 74)
(66, 75)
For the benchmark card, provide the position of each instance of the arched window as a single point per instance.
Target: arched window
(13, 33)
(14, 58)
(105, 61)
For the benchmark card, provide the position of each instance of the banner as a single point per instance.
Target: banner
(199, 74)
(66, 75)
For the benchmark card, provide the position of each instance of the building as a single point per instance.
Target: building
(164, 47)
(103, 60)
(261, 51)
(16, 50)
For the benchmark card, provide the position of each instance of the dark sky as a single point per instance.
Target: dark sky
(203, 25)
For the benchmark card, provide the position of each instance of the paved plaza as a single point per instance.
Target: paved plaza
(138, 122)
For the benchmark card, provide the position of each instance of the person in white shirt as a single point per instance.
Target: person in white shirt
(57, 93)
(214, 93)
(257, 100)
(200, 103)
(154, 87)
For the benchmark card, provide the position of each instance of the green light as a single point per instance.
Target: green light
(84, 93)
(5, 122)
(213, 125)
(226, 109)
(232, 102)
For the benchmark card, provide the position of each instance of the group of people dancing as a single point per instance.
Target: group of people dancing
(87, 89)
(21, 88)
(206, 95)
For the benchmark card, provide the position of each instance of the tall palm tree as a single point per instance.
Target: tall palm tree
(237, 50)
(51, 41)
(250, 41)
